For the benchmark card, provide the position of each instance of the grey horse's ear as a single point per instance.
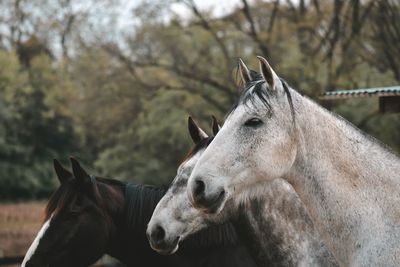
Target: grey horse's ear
(79, 173)
(63, 174)
(268, 73)
(244, 72)
(215, 125)
(195, 131)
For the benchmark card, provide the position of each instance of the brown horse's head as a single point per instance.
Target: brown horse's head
(78, 222)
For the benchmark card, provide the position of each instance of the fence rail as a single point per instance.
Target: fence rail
(11, 260)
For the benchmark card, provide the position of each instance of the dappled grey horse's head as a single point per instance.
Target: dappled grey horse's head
(175, 217)
(257, 142)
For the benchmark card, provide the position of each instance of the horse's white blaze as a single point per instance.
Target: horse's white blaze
(35, 243)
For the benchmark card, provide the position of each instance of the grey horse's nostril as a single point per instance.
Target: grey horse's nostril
(158, 234)
(199, 189)
(205, 199)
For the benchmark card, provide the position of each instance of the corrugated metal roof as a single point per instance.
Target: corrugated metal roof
(365, 92)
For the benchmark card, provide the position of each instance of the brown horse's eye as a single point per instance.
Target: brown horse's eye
(253, 122)
(75, 212)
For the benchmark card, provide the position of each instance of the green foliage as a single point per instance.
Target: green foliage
(32, 133)
(152, 147)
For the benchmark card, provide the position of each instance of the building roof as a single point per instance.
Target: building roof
(365, 92)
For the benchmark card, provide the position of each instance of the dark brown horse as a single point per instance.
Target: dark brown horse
(90, 216)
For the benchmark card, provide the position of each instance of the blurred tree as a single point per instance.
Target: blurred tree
(316, 46)
(32, 132)
(385, 37)
(150, 148)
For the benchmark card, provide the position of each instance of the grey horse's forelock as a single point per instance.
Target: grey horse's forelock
(255, 91)
(252, 92)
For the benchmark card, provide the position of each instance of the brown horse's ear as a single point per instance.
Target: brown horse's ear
(79, 173)
(268, 73)
(244, 73)
(195, 131)
(63, 174)
(215, 125)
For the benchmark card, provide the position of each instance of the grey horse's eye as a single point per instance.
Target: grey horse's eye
(253, 122)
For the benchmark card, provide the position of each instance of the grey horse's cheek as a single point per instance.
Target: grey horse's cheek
(181, 213)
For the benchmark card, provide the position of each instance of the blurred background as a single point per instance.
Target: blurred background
(112, 82)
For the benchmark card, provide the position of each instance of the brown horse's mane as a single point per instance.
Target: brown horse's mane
(141, 201)
(66, 193)
(106, 197)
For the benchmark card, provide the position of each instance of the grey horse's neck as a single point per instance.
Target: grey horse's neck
(275, 225)
(349, 182)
